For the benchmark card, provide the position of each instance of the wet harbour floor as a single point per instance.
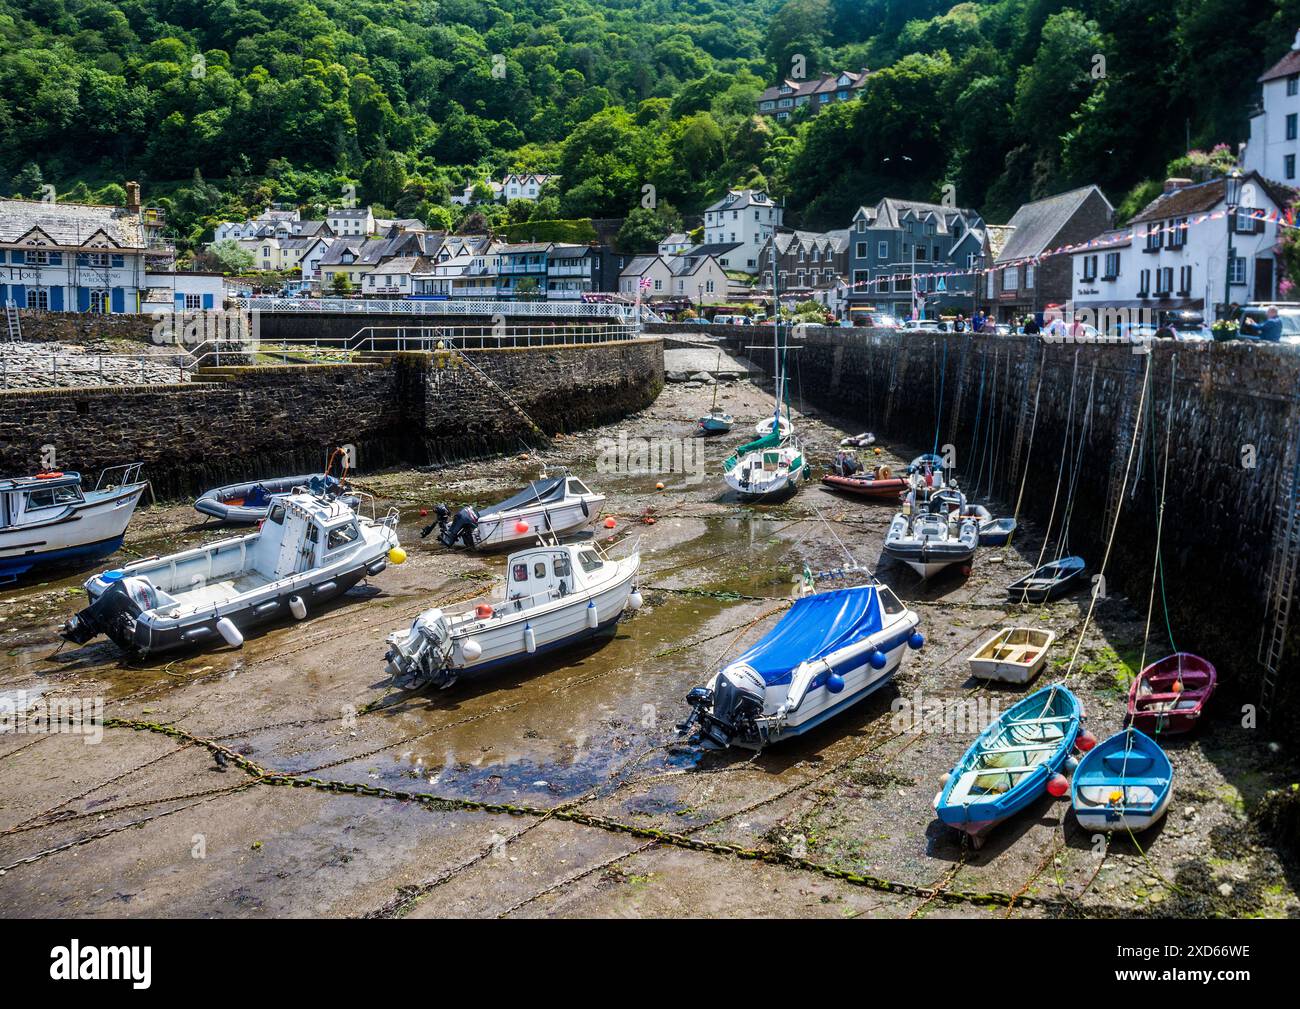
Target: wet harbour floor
(142, 822)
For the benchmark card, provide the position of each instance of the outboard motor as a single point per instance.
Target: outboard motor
(422, 653)
(113, 613)
(461, 528)
(729, 711)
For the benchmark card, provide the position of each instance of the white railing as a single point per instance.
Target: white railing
(463, 306)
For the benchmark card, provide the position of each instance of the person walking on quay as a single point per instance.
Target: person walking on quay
(1030, 326)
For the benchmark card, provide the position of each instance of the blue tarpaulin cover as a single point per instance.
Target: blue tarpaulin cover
(814, 627)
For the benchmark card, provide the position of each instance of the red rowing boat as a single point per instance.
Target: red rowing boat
(1168, 696)
(877, 485)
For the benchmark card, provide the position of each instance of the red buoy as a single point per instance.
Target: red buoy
(424, 512)
(521, 527)
(1086, 741)
(610, 523)
(1058, 785)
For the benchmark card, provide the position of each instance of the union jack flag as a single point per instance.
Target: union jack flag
(645, 283)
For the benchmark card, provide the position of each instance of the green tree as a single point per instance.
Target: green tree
(230, 256)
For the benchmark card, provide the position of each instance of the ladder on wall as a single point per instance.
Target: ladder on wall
(13, 323)
(1282, 575)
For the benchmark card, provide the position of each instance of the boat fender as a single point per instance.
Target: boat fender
(227, 629)
(593, 618)
(471, 649)
(835, 683)
(1058, 785)
(530, 639)
(397, 555)
(1085, 741)
(916, 640)
(585, 510)
(1071, 763)
(297, 607)
(878, 659)
(944, 779)
(883, 473)
(635, 600)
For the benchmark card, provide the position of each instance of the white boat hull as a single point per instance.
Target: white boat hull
(500, 530)
(1096, 818)
(92, 529)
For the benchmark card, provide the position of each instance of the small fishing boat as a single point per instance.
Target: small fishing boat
(247, 502)
(555, 596)
(1011, 763)
(1048, 582)
(309, 550)
(764, 427)
(1123, 783)
(1012, 655)
(49, 519)
(827, 652)
(716, 422)
(549, 506)
(1168, 696)
(996, 532)
(863, 440)
(931, 540)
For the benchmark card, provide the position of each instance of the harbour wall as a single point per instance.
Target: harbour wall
(413, 408)
(1231, 409)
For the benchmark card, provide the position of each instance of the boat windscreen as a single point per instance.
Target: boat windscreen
(537, 492)
(814, 627)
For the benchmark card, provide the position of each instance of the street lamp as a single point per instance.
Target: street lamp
(1231, 197)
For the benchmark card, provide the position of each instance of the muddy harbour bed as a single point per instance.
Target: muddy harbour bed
(291, 778)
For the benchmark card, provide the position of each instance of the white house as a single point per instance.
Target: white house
(525, 186)
(310, 259)
(78, 257)
(1275, 125)
(653, 269)
(392, 278)
(268, 218)
(675, 244)
(1174, 254)
(745, 217)
(699, 278)
(350, 222)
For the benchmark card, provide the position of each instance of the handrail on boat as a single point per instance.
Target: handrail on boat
(130, 473)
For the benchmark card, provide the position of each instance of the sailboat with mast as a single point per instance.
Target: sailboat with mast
(717, 420)
(771, 467)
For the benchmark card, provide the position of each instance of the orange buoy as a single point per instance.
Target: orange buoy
(483, 611)
(521, 527)
(610, 523)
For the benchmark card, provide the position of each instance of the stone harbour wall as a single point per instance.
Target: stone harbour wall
(415, 408)
(78, 327)
(1233, 411)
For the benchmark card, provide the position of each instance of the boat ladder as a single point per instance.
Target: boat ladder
(1282, 576)
(13, 323)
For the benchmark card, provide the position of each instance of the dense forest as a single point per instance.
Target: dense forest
(220, 106)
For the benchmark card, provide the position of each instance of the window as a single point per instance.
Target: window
(888, 601)
(860, 278)
(1238, 269)
(862, 225)
(1029, 276)
(341, 536)
(539, 569)
(1289, 166)
(882, 250)
(1155, 237)
(921, 253)
(51, 497)
(99, 302)
(520, 573)
(1089, 268)
(1293, 84)
(1112, 266)
(1184, 280)
(1144, 284)
(1177, 233)
(560, 566)
(1291, 126)
(193, 301)
(590, 561)
(1010, 278)
(276, 514)
(1164, 280)
(38, 297)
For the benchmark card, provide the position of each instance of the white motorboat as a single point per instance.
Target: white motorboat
(308, 551)
(549, 506)
(50, 519)
(1012, 655)
(828, 651)
(555, 596)
(930, 541)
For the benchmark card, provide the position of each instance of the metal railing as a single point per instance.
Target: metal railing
(453, 307)
(139, 369)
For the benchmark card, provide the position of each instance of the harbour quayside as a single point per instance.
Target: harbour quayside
(310, 549)
(51, 520)
(555, 596)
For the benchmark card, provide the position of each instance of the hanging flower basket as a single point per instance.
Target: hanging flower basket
(1225, 329)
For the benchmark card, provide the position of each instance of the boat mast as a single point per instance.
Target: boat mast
(776, 337)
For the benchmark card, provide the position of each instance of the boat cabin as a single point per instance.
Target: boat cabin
(37, 500)
(538, 575)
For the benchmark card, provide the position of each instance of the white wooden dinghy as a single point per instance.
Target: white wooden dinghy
(554, 596)
(309, 550)
(50, 519)
(1012, 655)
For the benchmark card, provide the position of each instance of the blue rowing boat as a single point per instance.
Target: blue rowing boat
(1010, 764)
(1122, 783)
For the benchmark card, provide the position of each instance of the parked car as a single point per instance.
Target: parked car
(1256, 312)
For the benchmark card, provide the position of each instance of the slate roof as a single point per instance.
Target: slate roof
(739, 199)
(639, 265)
(1285, 67)
(716, 249)
(69, 225)
(1039, 222)
(1203, 196)
(349, 213)
(826, 82)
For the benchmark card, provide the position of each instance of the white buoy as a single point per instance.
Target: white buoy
(635, 600)
(227, 629)
(471, 649)
(297, 607)
(593, 618)
(530, 639)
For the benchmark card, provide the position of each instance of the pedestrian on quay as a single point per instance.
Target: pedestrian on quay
(959, 326)
(1030, 326)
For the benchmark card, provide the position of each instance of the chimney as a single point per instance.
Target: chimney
(1296, 44)
(1176, 183)
(133, 197)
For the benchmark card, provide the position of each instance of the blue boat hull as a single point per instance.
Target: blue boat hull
(13, 567)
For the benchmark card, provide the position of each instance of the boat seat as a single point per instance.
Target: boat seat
(1141, 793)
(1030, 746)
(1043, 720)
(1018, 769)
